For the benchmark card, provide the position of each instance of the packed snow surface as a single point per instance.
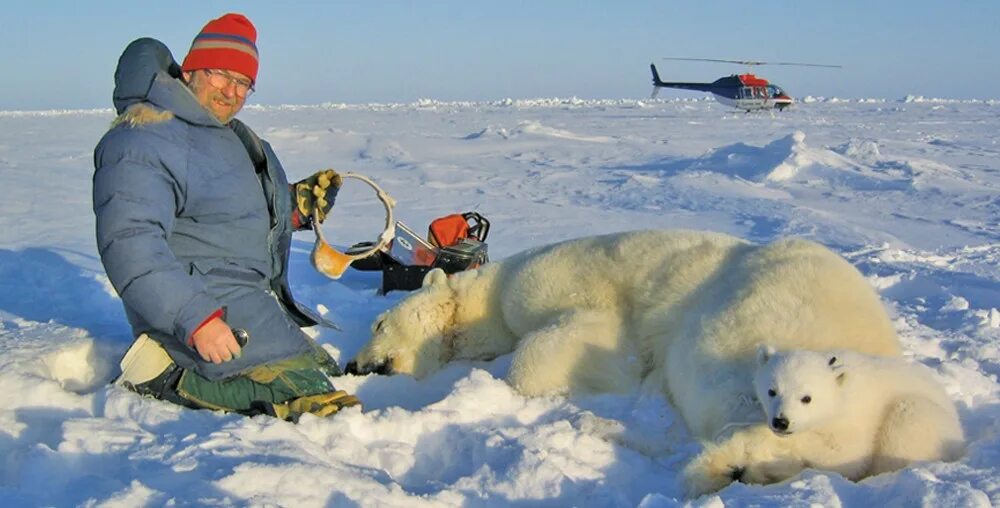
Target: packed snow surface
(908, 191)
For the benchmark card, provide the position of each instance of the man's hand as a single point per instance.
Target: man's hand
(215, 342)
(317, 192)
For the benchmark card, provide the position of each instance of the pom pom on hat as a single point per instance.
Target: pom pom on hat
(228, 42)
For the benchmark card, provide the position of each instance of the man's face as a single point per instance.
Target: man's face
(222, 101)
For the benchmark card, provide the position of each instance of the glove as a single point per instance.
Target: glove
(322, 405)
(317, 192)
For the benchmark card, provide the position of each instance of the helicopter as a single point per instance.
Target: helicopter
(742, 91)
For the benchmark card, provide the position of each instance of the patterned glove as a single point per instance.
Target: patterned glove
(317, 192)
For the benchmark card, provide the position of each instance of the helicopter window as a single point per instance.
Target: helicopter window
(774, 91)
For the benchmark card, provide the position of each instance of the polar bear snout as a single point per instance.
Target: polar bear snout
(354, 368)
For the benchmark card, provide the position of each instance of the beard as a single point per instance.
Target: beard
(223, 107)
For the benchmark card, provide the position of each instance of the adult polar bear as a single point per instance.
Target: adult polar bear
(683, 310)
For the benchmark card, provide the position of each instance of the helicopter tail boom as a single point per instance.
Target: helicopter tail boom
(658, 83)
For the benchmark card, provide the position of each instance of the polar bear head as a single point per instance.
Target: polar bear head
(798, 389)
(413, 336)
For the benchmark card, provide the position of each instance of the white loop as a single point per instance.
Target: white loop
(388, 233)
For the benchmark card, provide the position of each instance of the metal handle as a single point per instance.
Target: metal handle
(242, 336)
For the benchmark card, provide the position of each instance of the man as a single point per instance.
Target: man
(194, 221)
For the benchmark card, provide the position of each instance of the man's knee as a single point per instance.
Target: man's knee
(148, 370)
(144, 361)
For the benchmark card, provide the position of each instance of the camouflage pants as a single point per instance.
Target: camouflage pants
(271, 383)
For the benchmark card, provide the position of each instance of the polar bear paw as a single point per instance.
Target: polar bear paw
(713, 469)
(754, 455)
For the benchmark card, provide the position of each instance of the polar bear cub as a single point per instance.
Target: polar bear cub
(840, 411)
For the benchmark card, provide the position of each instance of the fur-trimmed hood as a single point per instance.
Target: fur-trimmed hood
(148, 74)
(141, 113)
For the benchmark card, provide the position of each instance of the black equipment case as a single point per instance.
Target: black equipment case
(455, 243)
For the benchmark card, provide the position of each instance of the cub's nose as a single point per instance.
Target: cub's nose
(779, 423)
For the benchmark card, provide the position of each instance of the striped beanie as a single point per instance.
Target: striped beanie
(229, 43)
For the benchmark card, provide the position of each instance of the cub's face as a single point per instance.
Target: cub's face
(798, 390)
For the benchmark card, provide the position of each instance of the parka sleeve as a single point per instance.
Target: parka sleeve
(136, 199)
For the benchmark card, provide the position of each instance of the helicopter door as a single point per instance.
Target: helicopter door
(746, 92)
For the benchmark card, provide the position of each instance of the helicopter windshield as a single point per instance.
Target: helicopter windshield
(774, 91)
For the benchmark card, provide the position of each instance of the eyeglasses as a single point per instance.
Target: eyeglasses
(222, 80)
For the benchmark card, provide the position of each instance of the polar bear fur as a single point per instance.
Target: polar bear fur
(682, 311)
(840, 411)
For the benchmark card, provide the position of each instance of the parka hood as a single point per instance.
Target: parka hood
(147, 72)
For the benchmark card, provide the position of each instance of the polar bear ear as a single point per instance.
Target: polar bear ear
(377, 324)
(764, 353)
(837, 367)
(835, 364)
(434, 277)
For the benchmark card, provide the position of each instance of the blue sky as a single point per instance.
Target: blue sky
(63, 54)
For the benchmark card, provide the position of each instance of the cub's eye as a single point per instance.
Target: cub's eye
(807, 399)
(772, 393)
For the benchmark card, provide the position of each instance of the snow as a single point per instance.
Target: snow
(905, 189)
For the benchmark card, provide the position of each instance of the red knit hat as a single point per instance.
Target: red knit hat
(228, 42)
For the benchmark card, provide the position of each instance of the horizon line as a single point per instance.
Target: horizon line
(539, 102)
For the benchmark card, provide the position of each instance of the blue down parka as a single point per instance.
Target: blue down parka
(187, 225)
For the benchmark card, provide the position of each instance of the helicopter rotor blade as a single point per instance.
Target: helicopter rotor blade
(743, 62)
(656, 91)
(802, 64)
(750, 62)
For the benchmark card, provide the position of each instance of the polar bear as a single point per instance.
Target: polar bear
(840, 411)
(674, 310)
